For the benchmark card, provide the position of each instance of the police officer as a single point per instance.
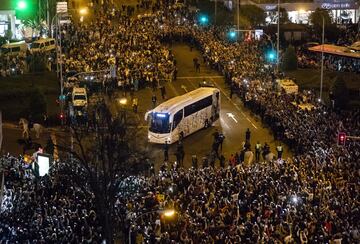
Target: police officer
(257, 151)
(166, 151)
(194, 161)
(279, 150)
(153, 99)
(247, 135)
(221, 140)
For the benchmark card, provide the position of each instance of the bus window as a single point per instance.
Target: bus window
(159, 123)
(197, 106)
(177, 118)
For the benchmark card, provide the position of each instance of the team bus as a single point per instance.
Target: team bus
(183, 115)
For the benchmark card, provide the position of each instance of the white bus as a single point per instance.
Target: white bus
(183, 115)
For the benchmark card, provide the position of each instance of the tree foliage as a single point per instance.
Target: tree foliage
(106, 153)
(289, 61)
(316, 18)
(284, 16)
(340, 92)
(255, 15)
(36, 105)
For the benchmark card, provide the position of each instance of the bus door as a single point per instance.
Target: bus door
(215, 109)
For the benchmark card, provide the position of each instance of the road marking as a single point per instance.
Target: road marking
(231, 115)
(236, 106)
(173, 89)
(192, 84)
(200, 77)
(184, 87)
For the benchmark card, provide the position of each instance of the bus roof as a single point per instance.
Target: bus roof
(178, 102)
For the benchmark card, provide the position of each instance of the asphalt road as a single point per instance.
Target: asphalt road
(233, 122)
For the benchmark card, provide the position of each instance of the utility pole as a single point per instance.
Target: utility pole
(322, 58)
(238, 14)
(278, 38)
(215, 11)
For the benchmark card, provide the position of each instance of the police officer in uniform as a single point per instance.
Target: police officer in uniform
(257, 151)
(279, 150)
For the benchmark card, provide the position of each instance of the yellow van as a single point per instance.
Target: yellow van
(14, 49)
(44, 45)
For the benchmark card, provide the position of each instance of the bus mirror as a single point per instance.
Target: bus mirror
(147, 114)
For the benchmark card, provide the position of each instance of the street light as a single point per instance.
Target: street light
(123, 101)
(168, 213)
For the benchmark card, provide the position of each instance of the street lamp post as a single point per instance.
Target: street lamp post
(238, 14)
(167, 213)
(322, 58)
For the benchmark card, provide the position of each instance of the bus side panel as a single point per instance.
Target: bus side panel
(193, 122)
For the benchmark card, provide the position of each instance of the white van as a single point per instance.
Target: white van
(45, 45)
(14, 49)
(79, 97)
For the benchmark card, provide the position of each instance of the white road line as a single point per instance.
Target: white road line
(192, 84)
(200, 77)
(173, 89)
(236, 106)
(231, 115)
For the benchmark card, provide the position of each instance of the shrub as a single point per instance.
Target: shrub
(289, 59)
(340, 92)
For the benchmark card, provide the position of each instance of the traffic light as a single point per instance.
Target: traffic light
(61, 116)
(25, 9)
(271, 56)
(203, 19)
(21, 5)
(232, 35)
(341, 138)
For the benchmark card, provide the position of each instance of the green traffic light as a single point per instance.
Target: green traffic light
(21, 5)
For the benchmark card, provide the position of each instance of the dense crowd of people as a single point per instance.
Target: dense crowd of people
(307, 59)
(15, 65)
(54, 208)
(312, 197)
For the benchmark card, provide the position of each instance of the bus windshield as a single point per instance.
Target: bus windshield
(159, 123)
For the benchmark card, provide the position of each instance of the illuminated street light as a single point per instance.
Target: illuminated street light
(123, 101)
(83, 11)
(169, 213)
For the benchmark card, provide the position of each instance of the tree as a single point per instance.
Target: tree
(316, 19)
(255, 15)
(36, 104)
(284, 16)
(340, 92)
(290, 59)
(106, 153)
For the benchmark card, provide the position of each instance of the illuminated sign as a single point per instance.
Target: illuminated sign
(336, 5)
(270, 7)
